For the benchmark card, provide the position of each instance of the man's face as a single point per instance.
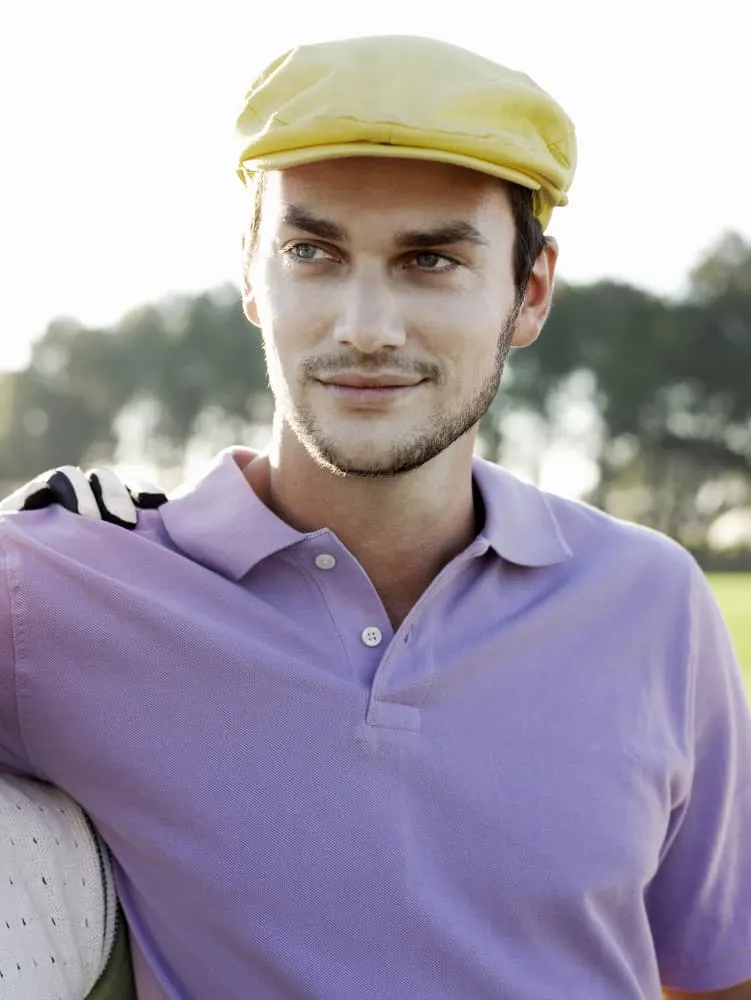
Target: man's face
(385, 293)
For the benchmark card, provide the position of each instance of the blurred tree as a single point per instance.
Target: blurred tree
(171, 362)
(191, 355)
(60, 407)
(672, 388)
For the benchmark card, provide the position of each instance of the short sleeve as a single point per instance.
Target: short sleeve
(699, 902)
(12, 753)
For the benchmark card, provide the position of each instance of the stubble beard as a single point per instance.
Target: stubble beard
(408, 455)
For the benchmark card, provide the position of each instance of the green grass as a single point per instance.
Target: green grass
(733, 593)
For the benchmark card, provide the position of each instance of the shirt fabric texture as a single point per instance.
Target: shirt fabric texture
(538, 787)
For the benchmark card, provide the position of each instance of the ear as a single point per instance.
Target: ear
(248, 299)
(538, 296)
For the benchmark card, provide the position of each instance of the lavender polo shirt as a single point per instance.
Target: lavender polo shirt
(538, 788)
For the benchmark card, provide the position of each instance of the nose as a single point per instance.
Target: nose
(369, 319)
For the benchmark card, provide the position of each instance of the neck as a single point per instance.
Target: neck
(402, 530)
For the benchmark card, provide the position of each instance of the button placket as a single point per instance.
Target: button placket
(381, 711)
(355, 608)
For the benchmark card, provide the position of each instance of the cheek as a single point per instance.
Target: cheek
(472, 310)
(466, 342)
(282, 349)
(290, 339)
(296, 318)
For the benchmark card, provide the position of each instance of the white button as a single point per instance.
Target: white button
(325, 561)
(371, 636)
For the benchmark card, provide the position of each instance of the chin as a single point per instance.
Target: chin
(373, 450)
(372, 461)
(355, 461)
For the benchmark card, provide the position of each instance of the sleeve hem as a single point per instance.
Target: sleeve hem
(720, 974)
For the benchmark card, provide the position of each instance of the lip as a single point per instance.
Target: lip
(373, 391)
(353, 380)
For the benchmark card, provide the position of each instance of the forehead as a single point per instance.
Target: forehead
(376, 188)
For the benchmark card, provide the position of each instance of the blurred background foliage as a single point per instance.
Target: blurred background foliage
(648, 399)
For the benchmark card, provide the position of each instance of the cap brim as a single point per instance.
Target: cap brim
(312, 154)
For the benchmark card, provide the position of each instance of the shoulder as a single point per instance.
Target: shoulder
(580, 539)
(621, 578)
(593, 533)
(650, 574)
(56, 530)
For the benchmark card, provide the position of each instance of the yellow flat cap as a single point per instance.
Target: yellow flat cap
(411, 97)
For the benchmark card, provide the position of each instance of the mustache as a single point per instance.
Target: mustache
(369, 364)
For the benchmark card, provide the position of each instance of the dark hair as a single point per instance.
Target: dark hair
(255, 189)
(529, 240)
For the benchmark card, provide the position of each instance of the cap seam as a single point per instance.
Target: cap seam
(389, 125)
(556, 145)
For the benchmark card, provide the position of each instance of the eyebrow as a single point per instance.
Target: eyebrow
(449, 232)
(445, 234)
(299, 218)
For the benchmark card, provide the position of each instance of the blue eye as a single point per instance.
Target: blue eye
(429, 260)
(305, 251)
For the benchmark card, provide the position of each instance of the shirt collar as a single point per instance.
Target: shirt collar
(219, 521)
(520, 524)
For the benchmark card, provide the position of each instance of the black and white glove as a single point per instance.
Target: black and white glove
(98, 494)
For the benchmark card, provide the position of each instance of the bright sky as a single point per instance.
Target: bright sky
(116, 175)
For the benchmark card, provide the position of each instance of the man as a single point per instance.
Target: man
(363, 715)
(62, 935)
